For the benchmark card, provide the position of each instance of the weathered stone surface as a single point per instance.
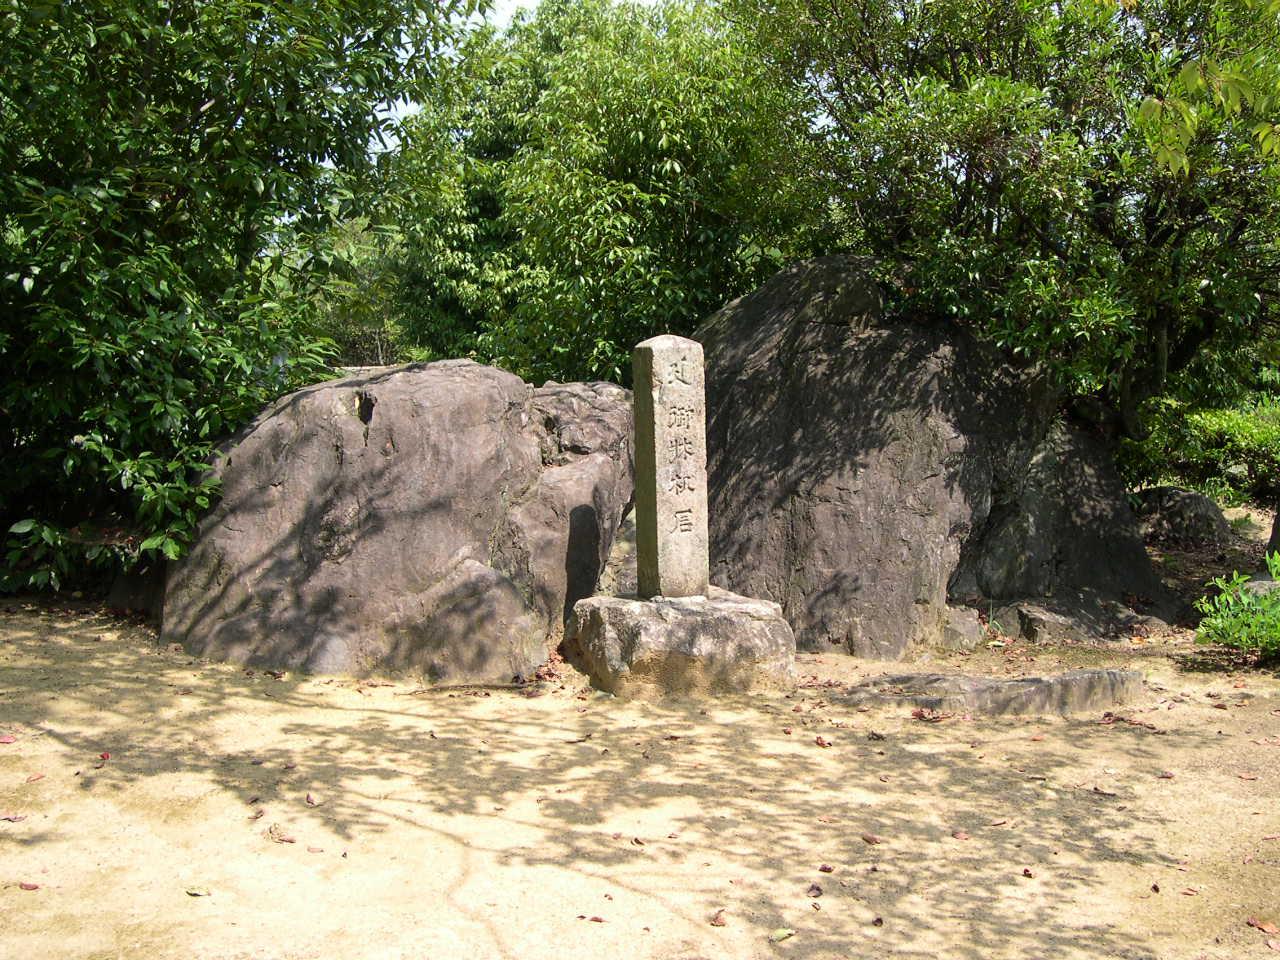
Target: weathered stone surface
(963, 629)
(1261, 585)
(1181, 516)
(862, 473)
(1075, 618)
(1076, 691)
(1038, 624)
(671, 468)
(439, 519)
(619, 577)
(722, 643)
(139, 591)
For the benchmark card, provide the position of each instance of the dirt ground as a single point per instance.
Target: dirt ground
(157, 806)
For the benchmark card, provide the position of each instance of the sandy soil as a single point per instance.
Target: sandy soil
(498, 823)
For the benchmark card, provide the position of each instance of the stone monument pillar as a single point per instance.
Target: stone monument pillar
(682, 636)
(671, 468)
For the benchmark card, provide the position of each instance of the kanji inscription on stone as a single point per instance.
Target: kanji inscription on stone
(671, 468)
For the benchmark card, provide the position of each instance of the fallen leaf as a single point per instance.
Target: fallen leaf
(13, 817)
(1190, 892)
(637, 842)
(1221, 706)
(961, 835)
(276, 834)
(1166, 775)
(1037, 738)
(878, 922)
(8, 738)
(822, 741)
(1155, 888)
(1263, 925)
(872, 839)
(315, 849)
(787, 731)
(312, 801)
(198, 891)
(717, 919)
(931, 716)
(28, 886)
(257, 814)
(782, 933)
(1274, 945)
(596, 919)
(34, 777)
(1247, 776)
(104, 755)
(1026, 872)
(826, 868)
(997, 823)
(816, 891)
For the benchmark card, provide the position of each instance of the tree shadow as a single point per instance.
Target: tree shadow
(738, 782)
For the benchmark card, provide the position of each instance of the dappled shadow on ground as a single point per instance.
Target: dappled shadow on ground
(963, 837)
(1225, 660)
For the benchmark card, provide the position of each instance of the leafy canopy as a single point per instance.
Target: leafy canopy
(597, 173)
(164, 166)
(1092, 183)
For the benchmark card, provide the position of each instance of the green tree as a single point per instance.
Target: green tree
(164, 168)
(1093, 183)
(611, 170)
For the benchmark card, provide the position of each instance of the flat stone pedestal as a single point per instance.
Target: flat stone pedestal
(648, 649)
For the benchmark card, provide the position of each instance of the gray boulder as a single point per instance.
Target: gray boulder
(962, 629)
(1181, 516)
(862, 473)
(1076, 691)
(436, 519)
(683, 646)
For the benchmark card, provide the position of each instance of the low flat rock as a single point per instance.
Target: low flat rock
(683, 646)
(1076, 691)
(1075, 618)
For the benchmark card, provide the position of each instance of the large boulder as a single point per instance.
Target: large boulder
(436, 519)
(1181, 516)
(862, 473)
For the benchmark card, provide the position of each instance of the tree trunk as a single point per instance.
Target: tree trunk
(1273, 546)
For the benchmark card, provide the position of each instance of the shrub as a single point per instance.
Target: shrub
(1241, 617)
(1231, 453)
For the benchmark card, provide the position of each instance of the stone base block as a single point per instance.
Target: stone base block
(685, 646)
(1076, 691)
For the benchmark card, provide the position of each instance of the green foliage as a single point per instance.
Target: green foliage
(1238, 617)
(1087, 182)
(1232, 453)
(600, 172)
(166, 167)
